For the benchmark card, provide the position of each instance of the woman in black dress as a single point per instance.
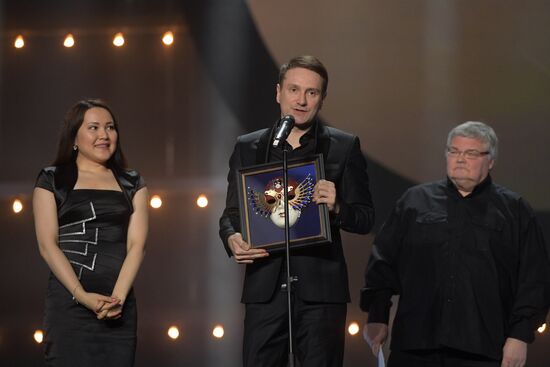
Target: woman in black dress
(91, 224)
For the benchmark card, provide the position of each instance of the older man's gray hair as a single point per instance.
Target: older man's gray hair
(476, 130)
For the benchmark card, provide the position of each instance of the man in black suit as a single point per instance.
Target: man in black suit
(321, 292)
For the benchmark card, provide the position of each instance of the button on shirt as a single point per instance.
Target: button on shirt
(470, 271)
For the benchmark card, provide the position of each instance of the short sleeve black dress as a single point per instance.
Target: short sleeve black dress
(93, 227)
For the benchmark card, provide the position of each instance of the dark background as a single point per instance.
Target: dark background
(402, 74)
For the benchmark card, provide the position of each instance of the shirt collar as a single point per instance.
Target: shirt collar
(309, 135)
(478, 190)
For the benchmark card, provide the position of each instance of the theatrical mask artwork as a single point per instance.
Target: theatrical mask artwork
(271, 203)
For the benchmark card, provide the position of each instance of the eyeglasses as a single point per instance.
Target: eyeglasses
(468, 154)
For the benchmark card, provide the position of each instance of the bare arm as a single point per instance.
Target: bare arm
(135, 250)
(47, 229)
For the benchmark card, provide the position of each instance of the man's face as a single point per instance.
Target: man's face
(467, 170)
(300, 95)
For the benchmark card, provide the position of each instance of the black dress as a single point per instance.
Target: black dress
(93, 226)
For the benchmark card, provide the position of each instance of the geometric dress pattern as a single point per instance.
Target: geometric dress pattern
(77, 241)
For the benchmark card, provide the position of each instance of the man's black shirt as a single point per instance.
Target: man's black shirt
(470, 271)
(306, 148)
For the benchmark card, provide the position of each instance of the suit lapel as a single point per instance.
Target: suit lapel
(262, 151)
(323, 141)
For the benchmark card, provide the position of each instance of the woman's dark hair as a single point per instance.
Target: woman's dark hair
(72, 122)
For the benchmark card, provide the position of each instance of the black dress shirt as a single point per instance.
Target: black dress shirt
(470, 271)
(306, 148)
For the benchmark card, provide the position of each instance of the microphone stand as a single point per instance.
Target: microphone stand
(289, 278)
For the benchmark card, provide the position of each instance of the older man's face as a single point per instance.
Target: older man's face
(468, 163)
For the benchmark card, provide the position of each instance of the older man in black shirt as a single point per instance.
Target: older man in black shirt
(468, 260)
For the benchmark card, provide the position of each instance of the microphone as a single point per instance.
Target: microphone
(284, 127)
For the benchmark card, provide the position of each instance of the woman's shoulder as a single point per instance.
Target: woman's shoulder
(46, 178)
(130, 172)
(48, 171)
(130, 178)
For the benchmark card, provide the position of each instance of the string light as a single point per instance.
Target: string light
(17, 206)
(69, 41)
(38, 336)
(173, 332)
(155, 202)
(19, 42)
(118, 40)
(542, 328)
(168, 38)
(202, 201)
(353, 328)
(218, 331)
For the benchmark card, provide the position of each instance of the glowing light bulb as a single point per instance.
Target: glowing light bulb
(173, 332)
(156, 202)
(118, 40)
(353, 328)
(542, 328)
(69, 41)
(19, 42)
(218, 331)
(38, 336)
(168, 38)
(202, 201)
(17, 206)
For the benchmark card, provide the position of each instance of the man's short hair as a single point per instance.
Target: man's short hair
(307, 62)
(476, 130)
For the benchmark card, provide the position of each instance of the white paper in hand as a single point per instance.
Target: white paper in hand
(381, 361)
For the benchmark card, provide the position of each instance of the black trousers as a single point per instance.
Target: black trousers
(444, 357)
(318, 331)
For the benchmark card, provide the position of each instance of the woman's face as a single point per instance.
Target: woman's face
(97, 136)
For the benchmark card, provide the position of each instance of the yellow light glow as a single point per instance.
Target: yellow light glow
(218, 331)
(69, 41)
(542, 328)
(19, 42)
(118, 40)
(168, 38)
(353, 328)
(17, 206)
(202, 201)
(156, 202)
(38, 336)
(173, 332)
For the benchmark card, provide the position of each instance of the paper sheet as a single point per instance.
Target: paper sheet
(381, 361)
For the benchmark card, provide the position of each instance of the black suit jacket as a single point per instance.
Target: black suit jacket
(321, 270)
